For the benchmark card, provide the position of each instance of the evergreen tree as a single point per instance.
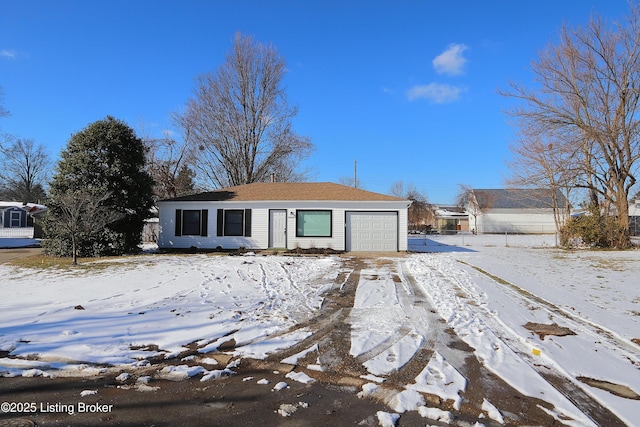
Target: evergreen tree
(106, 162)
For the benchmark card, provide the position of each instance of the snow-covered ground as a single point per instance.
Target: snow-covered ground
(486, 288)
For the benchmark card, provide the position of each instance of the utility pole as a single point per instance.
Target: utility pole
(355, 175)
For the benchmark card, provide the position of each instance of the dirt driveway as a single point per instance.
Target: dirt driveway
(249, 398)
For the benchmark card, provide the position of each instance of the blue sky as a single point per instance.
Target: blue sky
(408, 89)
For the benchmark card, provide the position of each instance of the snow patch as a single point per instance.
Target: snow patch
(280, 386)
(300, 377)
(386, 419)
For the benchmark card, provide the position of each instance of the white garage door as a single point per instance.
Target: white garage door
(372, 231)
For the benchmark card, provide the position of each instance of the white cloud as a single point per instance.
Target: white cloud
(451, 60)
(7, 54)
(436, 93)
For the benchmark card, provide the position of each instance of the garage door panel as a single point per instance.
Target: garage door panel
(372, 231)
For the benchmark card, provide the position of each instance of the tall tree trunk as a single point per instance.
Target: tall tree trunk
(622, 206)
(74, 252)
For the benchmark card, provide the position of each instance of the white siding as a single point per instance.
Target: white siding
(403, 230)
(260, 223)
(521, 221)
(168, 239)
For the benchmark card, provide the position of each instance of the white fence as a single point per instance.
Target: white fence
(17, 233)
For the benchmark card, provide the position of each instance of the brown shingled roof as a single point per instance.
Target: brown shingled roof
(288, 191)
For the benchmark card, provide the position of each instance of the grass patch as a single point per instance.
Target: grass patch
(609, 264)
(42, 262)
(486, 273)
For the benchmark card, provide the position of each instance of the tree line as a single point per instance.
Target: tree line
(236, 129)
(577, 132)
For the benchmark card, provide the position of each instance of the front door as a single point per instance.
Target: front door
(278, 228)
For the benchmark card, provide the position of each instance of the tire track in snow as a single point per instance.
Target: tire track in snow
(294, 285)
(420, 317)
(424, 315)
(329, 340)
(330, 329)
(334, 311)
(562, 382)
(614, 340)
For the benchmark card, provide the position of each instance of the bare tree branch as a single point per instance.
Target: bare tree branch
(420, 214)
(4, 137)
(82, 214)
(585, 107)
(24, 170)
(170, 162)
(239, 122)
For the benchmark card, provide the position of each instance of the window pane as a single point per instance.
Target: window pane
(233, 222)
(313, 224)
(15, 219)
(191, 223)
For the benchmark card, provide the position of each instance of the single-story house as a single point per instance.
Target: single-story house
(523, 211)
(17, 219)
(285, 215)
(451, 219)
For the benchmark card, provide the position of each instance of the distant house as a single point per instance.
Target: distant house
(451, 219)
(525, 211)
(17, 219)
(285, 215)
(634, 217)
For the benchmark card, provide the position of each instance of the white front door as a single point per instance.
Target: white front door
(278, 228)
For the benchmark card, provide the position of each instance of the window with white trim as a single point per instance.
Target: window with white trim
(313, 223)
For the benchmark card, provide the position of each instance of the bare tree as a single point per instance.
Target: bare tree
(475, 202)
(3, 111)
(24, 170)
(4, 138)
(350, 182)
(588, 91)
(542, 161)
(397, 189)
(467, 200)
(169, 163)
(82, 214)
(420, 213)
(239, 122)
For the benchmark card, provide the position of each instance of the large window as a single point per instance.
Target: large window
(191, 222)
(313, 223)
(234, 222)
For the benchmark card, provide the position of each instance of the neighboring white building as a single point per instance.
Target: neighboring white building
(634, 217)
(285, 215)
(523, 211)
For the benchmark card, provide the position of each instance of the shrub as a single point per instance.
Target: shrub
(593, 229)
